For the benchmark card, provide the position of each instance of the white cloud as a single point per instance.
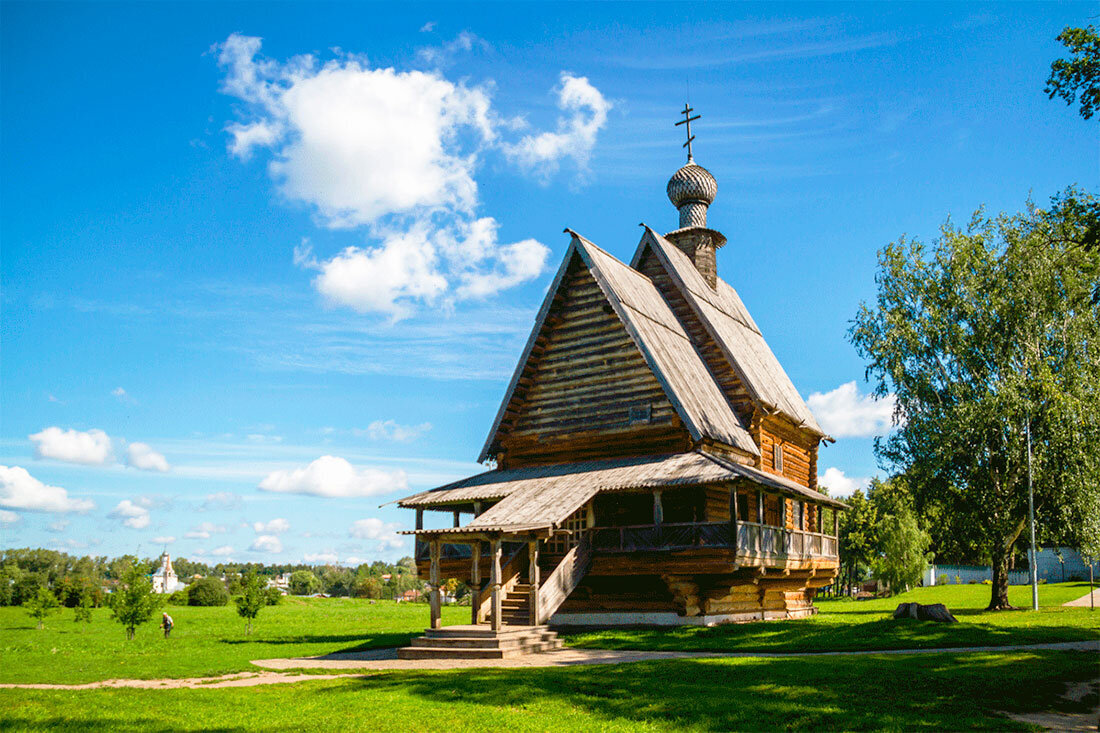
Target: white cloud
(20, 490)
(123, 396)
(585, 111)
(428, 27)
(267, 543)
(221, 500)
(275, 526)
(59, 526)
(132, 515)
(840, 485)
(373, 528)
(321, 558)
(140, 455)
(223, 551)
(395, 152)
(92, 447)
(7, 517)
(204, 530)
(164, 540)
(391, 430)
(442, 55)
(845, 413)
(331, 476)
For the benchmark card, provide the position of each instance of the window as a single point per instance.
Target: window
(777, 457)
(798, 514)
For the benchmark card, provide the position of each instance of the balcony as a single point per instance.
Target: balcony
(759, 540)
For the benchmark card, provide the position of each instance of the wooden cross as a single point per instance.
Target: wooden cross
(688, 119)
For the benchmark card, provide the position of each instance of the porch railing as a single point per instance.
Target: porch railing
(752, 538)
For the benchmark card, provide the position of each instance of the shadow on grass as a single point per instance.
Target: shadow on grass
(357, 642)
(9, 721)
(943, 692)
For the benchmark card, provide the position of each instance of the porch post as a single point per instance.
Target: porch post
(733, 520)
(475, 582)
(658, 510)
(533, 577)
(477, 508)
(420, 519)
(495, 581)
(759, 518)
(433, 582)
(458, 518)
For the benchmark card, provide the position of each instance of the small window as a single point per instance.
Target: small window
(777, 457)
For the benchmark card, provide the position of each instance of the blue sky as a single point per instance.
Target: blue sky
(266, 268)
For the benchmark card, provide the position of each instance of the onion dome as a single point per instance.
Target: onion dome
(691, 190)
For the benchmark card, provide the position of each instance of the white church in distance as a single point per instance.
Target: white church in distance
(164, 579)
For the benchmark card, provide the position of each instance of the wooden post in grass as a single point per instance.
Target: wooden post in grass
(475, 582)
(533, 578)
(433, 583)
(495, 581)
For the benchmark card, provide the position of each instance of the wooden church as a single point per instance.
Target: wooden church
(654, 464)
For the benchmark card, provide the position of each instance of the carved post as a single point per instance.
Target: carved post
(533, 577)
(458, 518)
(477, 508)
(433, 583)
(733, 520)
(658, 515)
(760, 519)
(420, 519)
(475, 583)
(495, 581)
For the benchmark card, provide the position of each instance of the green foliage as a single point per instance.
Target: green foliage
(82, 612)
(1079, 74)
(207, 592)
(858, 538)
(904, 547)
(252, 598)
(72, 590)
(368, 587)
(273, 596)
(337, 581)
(26, 587)
(304, 583)
(179, 598)
(133, 603)
(41, 605)
(990, 330)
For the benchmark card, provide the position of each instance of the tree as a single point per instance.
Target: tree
(1079, 74)
(984, 338)
(207, 592)
(369, 587)
(857, 539)
(133, 602)
(82, 611)
(303, 583)
(252, 598)
(903, 550)
(41, 605)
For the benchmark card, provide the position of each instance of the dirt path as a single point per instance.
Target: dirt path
(1066, 721)
(380, 660)
(1084, 600)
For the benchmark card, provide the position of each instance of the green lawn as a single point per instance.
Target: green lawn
(935, 692)
(205, 641)
(850, 625)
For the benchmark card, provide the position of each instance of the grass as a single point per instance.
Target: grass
(934, 692)
(205, 641)
(844, 625)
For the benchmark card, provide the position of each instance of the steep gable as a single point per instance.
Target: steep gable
(608, 371)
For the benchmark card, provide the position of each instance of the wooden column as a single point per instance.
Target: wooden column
(658, 509)
(458, 518)
(477, 509)
(533, 578)
(420, 519)
(495, 581)
(433, 582)
(475, 582)
(836, 523)
(733, 519)
(760, 518)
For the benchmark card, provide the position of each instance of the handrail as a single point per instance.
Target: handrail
(565, 578)
(753, 537)
(509, 576)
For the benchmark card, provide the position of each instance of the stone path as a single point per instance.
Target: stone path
(380, 660)
(1084, 600)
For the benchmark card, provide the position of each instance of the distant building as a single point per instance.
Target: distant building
(164, 579)
(282, 582)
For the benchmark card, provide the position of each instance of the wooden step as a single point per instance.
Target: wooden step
(507, 642)
(414, 652)
(480, 630)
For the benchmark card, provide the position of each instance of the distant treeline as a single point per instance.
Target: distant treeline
(23, 571)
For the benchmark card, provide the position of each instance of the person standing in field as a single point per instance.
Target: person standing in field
(166, 624)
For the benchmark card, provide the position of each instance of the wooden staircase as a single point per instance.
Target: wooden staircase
(515, 607)
(481, 642)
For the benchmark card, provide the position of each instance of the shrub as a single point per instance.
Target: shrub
(41, 605)
(303, 583)
(179, 598)
(251, 600)
(987, 582)
(133, 602)
(943, 580)
(207, 592)
(273, 596)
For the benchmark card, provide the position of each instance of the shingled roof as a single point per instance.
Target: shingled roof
(660, 338)
(728, 322)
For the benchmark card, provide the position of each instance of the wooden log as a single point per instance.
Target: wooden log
(533, 579)
(495, 580)
(433, 581)
(475, 582)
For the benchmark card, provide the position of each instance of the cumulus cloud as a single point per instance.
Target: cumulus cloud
(204, 530)
(7, 517)
(584, 114)
(845, 413)
(132, 515)
(321, 558)
(373, 528)
(140, 455)
(92, 447)
(223, 551)
(275, 526)
(840, 485)
(396, 152)
(331, 476)
(20, 490)
(267, 543)
(391, 430)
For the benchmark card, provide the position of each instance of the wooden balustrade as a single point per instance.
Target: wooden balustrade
(752, 538)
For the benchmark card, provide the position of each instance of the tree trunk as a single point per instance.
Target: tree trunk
(999, 599)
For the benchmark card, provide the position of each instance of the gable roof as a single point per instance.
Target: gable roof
(659, 337)
(728, 322)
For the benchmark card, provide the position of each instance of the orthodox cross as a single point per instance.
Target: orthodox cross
(688, 119)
